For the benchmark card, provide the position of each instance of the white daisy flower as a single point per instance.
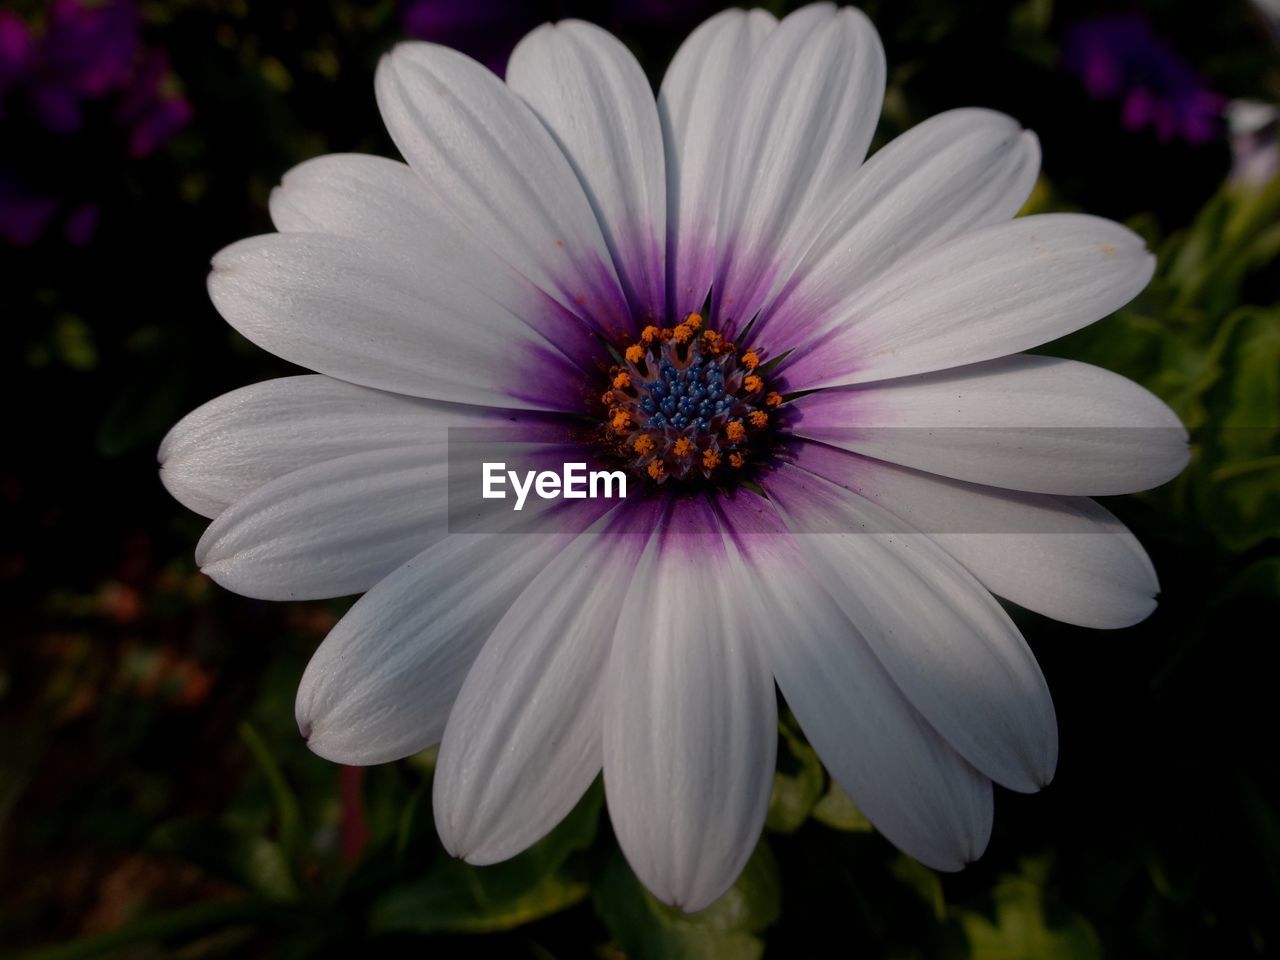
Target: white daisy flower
(809, 367)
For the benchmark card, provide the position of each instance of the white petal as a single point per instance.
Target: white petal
(385, 204)
(523, 739)
(349, 309)
(810, 102)
(595, 99)
(364, 197)
(484, 156)
(332, 529)
(382, 683)
(911, 785)
(338, 527)
(690, 729)
(954, 172)
(1064, 557)
(943, 638)
(699, 104)
(1021, 422)
(239, 441)
(985, 294)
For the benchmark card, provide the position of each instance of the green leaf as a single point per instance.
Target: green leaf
(455, 897)
(836, 810)
(1024, 924)
(1237, 474)
(177, 926)
(288, 815)
(250, 860)
(797, 784)
(647, 929)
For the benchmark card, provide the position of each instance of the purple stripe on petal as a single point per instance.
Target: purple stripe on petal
(642, 252)
(598, 299)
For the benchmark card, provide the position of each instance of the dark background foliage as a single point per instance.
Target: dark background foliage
(155, 798)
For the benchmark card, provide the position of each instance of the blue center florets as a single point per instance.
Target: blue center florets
(681, 398)
(686, 405)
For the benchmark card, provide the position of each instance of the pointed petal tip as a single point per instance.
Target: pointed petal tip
(319, 743)
(478, 856)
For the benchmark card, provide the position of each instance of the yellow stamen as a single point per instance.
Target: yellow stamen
(657, 470)
(736, 432)
(607, 398)
(758, 418)
(694, 320)
(643, 444)
(683, 333)
(710, 459)
(622, 381)
(635, 353)
(683, 447)
(753, 384)
(650, 334)
(736, 460)
(751, 359)
(621, 421)
(773, 399)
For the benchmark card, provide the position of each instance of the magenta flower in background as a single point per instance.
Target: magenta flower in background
(1122, 58)
(151, 113)
(487, 30)
(15, 50)
(85, 53)
(24, 214)
(78, 56)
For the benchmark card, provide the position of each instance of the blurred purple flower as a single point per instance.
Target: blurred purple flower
(84, 54)
(148, 111)
(24, 214)
(486, 30)
(1121, 58)
(15, 51)
(81, 225)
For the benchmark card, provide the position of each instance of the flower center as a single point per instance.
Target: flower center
(687, 406)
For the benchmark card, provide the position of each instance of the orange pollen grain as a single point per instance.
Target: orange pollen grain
(736, 460)
(758, 418)
(650, 334)
(751, 359)
(736, 432)
(622, 381)
(683, 447)
(621, 421)
(710, 459)
(694, 320)
(643, 444)
(607, 398)
(683, 333)
(773, 399)
(753, 384)
(657, 470)
(635, 353)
